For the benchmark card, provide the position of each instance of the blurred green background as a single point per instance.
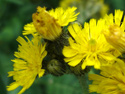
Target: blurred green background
(14, 14)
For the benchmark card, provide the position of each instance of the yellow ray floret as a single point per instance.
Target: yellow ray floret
(88, 45)
(30, 29)
(114, 30)
(27, 64)
(111, 80)
(64, 16)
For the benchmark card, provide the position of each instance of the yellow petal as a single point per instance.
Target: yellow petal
(69, 52)
(42, 71)
(64, 16)
(118, 16)
(75, 62)
(12, 86)
(107, 56)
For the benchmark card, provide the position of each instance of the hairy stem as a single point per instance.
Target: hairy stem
(83, 80)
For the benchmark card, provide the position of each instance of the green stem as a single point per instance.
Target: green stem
(83, 80)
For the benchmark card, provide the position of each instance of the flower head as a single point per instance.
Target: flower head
(48, 23)
(111, 80)
(27, 64)
(88, 45)
(64, 17)
(114, 30)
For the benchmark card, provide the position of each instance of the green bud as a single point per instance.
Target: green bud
(55, 67)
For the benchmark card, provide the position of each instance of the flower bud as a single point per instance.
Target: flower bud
(55, 67)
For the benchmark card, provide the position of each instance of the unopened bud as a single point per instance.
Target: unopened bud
(55, 67)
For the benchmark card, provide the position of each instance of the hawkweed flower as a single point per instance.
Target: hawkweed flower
(88, 45)
(114, 30)
(27, 64)
(111, 80)
(48, 23)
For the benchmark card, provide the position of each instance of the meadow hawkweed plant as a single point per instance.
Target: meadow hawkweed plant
(57, 45)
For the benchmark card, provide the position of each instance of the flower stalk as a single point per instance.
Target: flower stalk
(83, 80)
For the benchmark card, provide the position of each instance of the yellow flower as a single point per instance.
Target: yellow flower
(64, 16)
(111, 80)
(30, 29)
(88, 46)
(114, 30)
(27, 64)
(48, 23)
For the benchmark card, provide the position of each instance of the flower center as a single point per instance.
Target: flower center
(92, 45)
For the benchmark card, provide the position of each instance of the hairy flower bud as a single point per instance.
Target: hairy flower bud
(55, 67)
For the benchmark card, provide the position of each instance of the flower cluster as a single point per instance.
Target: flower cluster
(98, 43)
(112, 78)
(28, 63)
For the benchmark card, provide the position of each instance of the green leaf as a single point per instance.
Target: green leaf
(2, 87)
(34, 89)
(66, 84)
